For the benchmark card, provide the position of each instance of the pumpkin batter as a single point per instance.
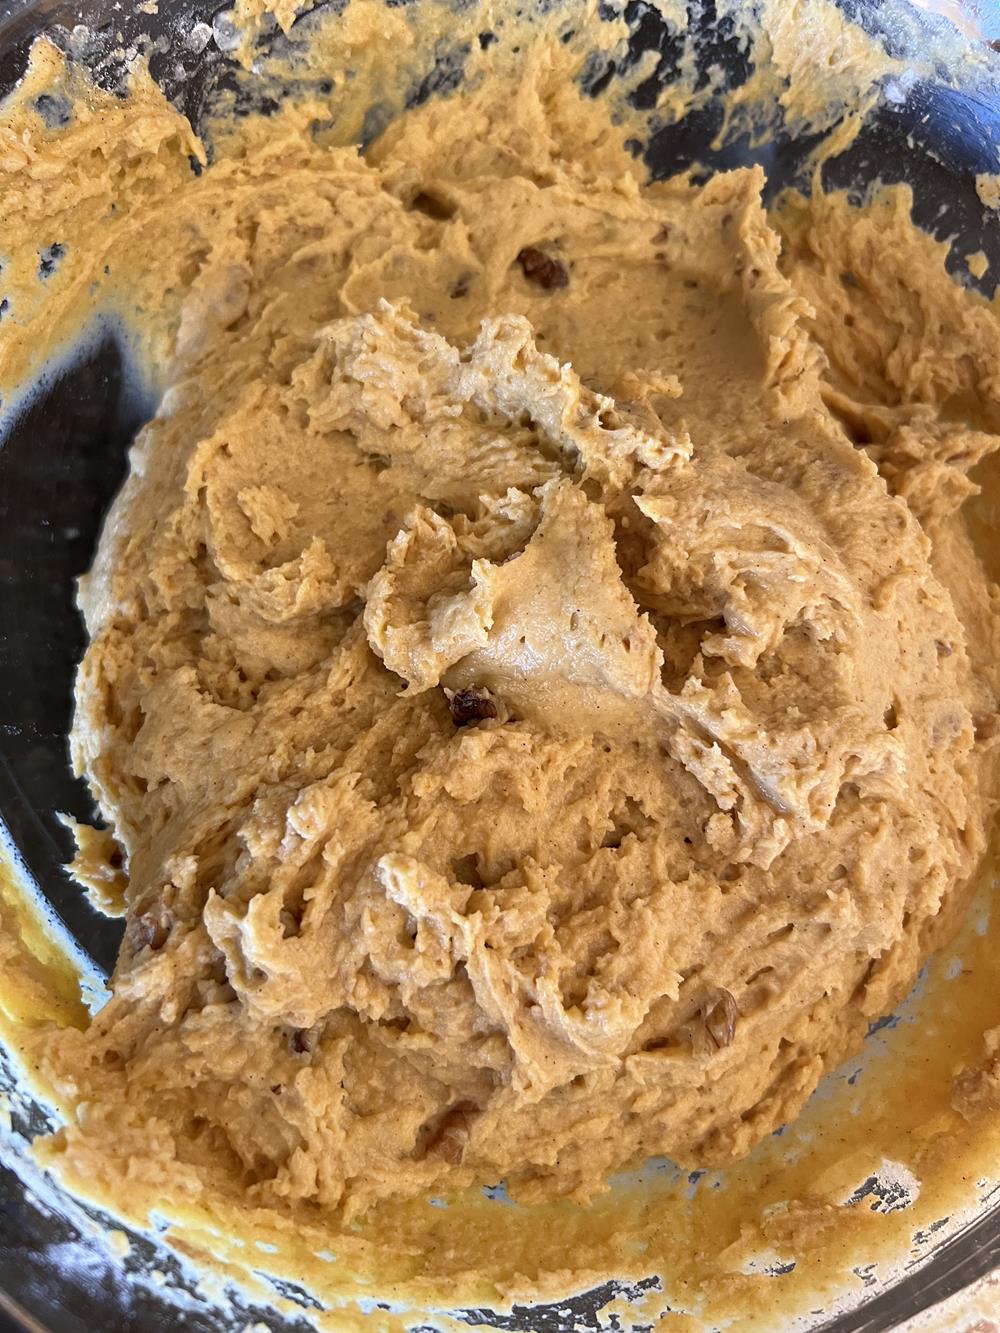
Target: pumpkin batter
(539, 680)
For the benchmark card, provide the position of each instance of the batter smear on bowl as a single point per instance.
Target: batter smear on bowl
(538, 677)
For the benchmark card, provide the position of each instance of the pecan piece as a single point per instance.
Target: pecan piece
(719, 1015)
(986, 726)
(148, 931)
(542, 269)
(713, 1025)
(446, 1135)
(470, 706)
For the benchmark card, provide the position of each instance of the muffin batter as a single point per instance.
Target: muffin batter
(539, 682)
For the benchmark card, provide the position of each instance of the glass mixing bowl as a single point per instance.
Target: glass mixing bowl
(64, 1266)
